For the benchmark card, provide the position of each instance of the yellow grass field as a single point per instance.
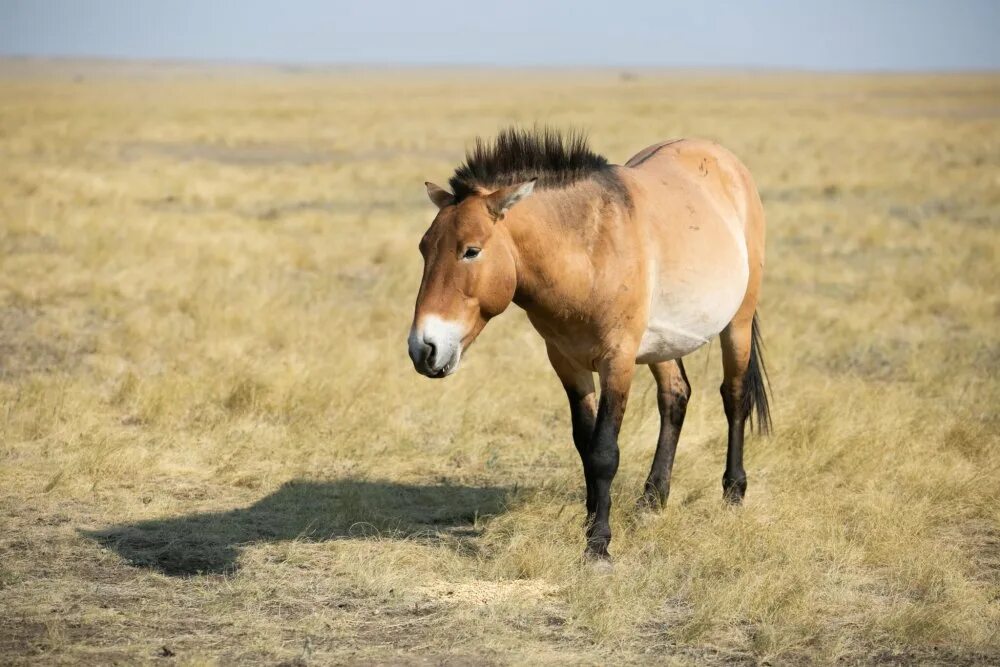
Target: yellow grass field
(214, 449)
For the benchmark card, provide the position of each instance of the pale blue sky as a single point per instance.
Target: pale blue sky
(822, 35)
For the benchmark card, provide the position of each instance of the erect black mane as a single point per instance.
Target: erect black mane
(517, 155)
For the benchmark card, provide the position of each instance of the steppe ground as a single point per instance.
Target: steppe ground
(213, 448)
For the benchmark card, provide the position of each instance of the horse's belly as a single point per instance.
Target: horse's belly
(663, 341)
(685, 315)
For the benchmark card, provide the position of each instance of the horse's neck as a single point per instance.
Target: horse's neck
(554, 233)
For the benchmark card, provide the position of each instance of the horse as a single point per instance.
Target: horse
(615, 266)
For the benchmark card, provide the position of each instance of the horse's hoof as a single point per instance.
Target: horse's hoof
(654, 495)
(732, 497)
(651, 503)
(597, 550)
(733, 490)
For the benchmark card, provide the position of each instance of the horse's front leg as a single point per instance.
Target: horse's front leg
(578, 381)
(616, 379)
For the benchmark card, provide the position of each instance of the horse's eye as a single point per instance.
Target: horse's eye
(471, 253)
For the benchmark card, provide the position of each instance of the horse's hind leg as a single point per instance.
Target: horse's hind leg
(673, 392)
(745, 379)
(743, 392)
(735, 343)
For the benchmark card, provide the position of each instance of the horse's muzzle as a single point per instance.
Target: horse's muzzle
(435, 348)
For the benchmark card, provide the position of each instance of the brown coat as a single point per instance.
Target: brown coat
(615, 266)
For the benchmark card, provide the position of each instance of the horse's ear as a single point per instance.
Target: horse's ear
(503, 199)
(439, 196)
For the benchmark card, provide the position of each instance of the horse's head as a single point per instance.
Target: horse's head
(469, 275)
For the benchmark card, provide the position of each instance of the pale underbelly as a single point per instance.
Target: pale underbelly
(682, 320)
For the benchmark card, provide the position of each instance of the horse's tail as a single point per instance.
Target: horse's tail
(756, 385)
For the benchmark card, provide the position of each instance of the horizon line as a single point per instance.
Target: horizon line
(290, 66)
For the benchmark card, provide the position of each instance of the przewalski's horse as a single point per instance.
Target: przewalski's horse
(615, 266)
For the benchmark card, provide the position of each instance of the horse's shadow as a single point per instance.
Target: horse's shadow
(210, 543)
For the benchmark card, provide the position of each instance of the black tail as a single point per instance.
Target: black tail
(756, 385)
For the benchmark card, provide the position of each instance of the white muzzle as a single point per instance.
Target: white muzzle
(436, 346)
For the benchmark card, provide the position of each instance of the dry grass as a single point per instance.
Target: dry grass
(212, 443)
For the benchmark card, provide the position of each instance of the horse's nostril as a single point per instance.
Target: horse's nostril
(431, 350)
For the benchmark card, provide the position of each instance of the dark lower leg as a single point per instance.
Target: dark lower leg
(734, 479)
(657, 488)
(578, 381)
(603, 461)
(582, 414)
(672, 398)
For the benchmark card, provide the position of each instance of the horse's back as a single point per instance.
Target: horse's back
(708, 165)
